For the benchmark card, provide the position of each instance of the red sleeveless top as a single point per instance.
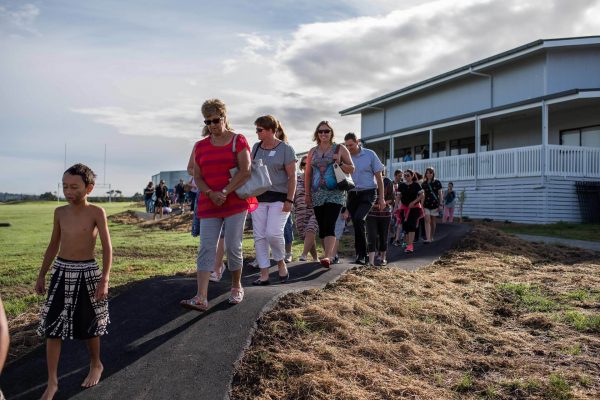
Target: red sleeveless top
(215, 163)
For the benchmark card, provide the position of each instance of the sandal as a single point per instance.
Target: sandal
(236, 296)
(195, 303)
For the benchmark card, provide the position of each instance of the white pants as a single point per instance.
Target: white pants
(268, 222)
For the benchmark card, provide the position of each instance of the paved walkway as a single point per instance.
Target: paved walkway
(157, 350)
(584, 244)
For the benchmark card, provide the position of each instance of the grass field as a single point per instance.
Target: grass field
(590, 232)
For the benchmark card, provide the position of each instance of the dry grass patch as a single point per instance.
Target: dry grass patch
(496, 318)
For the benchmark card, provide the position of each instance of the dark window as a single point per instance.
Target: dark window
(439, 150)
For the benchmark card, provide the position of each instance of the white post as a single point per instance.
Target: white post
(477, 146)
(430, 142)
(391, 167)
(544, 159)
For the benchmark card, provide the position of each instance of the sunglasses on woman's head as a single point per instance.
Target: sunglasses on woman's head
(212, 121)
(324, 131)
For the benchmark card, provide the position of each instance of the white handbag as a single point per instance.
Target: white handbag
(344, 180)
(259, 181)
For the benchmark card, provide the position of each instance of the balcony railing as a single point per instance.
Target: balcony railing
(517, 162)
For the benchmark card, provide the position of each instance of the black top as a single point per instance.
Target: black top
(161, 193)
(148, 192)
(409, 193)
(179, 189)
(432, 190)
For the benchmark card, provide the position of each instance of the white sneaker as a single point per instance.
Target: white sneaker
(253, 264)
(288, 257)
(302, 258)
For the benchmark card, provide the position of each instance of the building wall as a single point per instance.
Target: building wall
(456, 98)
(171, 178)
(520, 80)
(573, 68)
(522, 200)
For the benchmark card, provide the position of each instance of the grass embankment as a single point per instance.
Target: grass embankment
(496, 318)
(566, 230)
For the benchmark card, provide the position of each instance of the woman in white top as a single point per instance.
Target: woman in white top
(275, 205)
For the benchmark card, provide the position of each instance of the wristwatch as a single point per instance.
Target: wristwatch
(224, 191)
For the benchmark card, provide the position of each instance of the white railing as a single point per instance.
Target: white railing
(516, 162)
(573, 161)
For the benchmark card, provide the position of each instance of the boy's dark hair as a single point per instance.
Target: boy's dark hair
(87, 175)
(351, 136)
(397, 172)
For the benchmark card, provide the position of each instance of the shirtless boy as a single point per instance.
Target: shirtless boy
(77, 305)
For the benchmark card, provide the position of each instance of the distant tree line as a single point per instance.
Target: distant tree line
(115, 195)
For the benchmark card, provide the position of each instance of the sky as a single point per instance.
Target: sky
(130, 76)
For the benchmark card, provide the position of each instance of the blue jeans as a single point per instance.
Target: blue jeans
(196, 226)
(288, 231)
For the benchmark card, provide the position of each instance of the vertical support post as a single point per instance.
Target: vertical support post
(430, 142)
(391, 166)
(477, 146)
(544, 158)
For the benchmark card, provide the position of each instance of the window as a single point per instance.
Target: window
(438, 150)
(462, 146)
(585, 137)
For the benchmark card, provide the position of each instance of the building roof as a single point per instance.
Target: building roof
(504, 57)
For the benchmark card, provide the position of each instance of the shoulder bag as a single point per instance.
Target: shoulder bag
(344, 180)
(259, 181)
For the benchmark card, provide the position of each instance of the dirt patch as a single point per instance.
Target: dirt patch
(128, 217)
(178, 223)
(495, 318)
(173, 222)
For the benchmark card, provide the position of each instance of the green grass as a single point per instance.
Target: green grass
(527, 296)
(565, 230)
(582, 322)
(558, 388)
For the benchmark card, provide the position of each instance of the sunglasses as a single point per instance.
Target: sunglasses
(212, 121)
(407, 175)
(325, 131)
(259, 130)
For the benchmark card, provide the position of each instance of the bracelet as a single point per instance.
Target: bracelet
(289, 201)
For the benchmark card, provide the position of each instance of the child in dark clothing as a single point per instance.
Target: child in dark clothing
(77, 305)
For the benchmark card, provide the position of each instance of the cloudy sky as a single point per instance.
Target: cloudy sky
(132, 75)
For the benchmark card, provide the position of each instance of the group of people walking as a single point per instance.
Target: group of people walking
(376, 205)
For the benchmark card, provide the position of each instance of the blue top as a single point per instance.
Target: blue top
(366, 165)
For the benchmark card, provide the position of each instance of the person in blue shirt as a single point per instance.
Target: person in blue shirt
(407, 156)
(369, 190)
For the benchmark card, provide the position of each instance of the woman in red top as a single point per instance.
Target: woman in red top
(219, 207)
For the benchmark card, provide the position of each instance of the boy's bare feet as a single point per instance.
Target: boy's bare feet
(51, 390)
(93, 376)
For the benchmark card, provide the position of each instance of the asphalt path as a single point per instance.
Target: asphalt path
(157, 350)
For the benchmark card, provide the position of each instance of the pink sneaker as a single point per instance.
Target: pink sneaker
(236, 296)
(409, 249)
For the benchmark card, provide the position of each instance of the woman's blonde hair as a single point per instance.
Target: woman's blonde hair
(214, 107)
(316, 134)
(270, 122)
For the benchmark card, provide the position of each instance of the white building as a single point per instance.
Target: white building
(515, 130)
(171, 178)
